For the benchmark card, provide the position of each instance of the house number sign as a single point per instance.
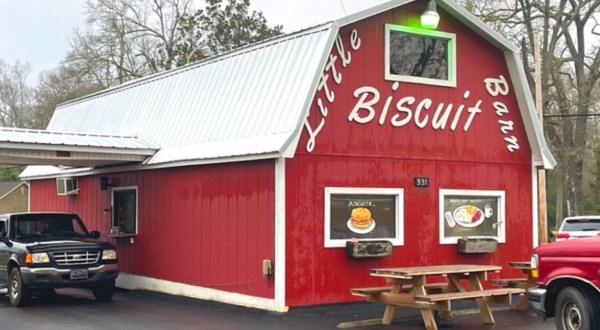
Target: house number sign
(421, 182)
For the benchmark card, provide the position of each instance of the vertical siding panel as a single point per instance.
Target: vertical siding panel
(232, 202)
(245, 221)
(207, 223)
(253, 218)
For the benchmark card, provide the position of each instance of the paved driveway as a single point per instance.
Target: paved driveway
(75, 309)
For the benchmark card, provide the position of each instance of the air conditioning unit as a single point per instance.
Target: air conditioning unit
(66, 186)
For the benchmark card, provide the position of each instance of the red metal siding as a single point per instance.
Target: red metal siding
(349, 154)
(209, 226)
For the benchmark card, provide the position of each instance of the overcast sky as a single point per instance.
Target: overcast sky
(38, 31)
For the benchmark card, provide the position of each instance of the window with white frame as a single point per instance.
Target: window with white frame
(125, 206)
(420, 56)
(471, 214)
(364, 214)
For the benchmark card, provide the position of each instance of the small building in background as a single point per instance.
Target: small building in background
(14, 197)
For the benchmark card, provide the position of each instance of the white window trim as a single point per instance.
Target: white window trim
(501, 194)
(112, 203)
(451, 37)
(397, 192)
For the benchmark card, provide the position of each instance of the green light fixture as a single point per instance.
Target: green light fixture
(430, 18)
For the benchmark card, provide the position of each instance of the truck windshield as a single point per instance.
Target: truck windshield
(46, 225)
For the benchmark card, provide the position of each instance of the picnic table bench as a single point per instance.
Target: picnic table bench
(409, 289)
(518, 282)
(430, 287)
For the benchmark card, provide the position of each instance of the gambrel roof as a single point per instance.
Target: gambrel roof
(246, 104)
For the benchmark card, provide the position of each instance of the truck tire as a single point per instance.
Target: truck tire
(104, 292)
(19, 294)
(577, 310)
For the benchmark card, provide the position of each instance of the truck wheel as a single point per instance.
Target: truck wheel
(104, 292)
(19, 294)
(577, 310)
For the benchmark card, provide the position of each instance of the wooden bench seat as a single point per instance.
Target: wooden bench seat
(363, 292)
(449, 296)
(508, 282)
(369, 291)
(520, 282)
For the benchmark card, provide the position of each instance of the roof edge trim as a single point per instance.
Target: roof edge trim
(528, 112)
(78, 172)
(288, 149)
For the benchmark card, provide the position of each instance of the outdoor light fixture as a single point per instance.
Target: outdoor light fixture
(104, 183)
(430, 18)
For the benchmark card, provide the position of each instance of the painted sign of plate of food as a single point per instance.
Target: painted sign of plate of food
(468, 216)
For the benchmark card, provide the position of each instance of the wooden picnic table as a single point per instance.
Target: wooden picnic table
(524, 283)
(421, 296)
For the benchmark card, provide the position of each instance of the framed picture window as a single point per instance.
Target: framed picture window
(364, 214)
(472, 214)
(420, 56)
(125, 206)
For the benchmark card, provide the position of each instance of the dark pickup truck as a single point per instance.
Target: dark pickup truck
(40, 252)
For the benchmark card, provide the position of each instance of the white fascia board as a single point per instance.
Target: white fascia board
(76, 148)
(533, 128)
(51, 172)
(288, 148)
(280, 231)
(534, 207)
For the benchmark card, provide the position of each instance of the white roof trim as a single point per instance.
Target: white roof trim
(288, 149)
(541, 153)
(39, 172)
(216, 149)
(35, 139)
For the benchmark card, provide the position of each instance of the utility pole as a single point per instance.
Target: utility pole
(542, 210)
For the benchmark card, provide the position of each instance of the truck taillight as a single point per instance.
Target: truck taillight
(535, 272)
(562, 236)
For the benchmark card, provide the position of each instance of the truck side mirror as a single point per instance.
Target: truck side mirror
(95, 234)
(4, 239)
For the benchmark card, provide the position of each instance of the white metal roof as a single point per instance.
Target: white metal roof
(243, 103)
(250, 102)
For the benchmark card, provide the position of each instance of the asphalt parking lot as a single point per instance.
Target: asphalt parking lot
(76, 309)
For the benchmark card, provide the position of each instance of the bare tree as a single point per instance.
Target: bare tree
(58, 86)
(128, 39)
(570, 73)
(16, 97)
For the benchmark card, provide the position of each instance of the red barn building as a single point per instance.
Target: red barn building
(242, 178)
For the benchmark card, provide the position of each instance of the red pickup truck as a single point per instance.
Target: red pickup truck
(567, 283)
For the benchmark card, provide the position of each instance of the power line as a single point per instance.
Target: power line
(573, 115)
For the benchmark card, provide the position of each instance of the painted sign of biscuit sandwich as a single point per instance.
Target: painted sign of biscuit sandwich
(361, 221)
